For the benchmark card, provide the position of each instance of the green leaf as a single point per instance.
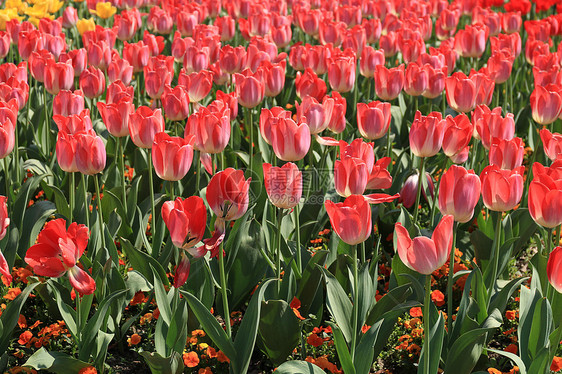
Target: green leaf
(56, 362)
(390, 300)
(246, 336)
(366, 293)
(343, 352)
(500, 299)
(513, 357)
(67, 312)
(310, 282)
(33, 222)
(142, 262)
(363, 359)
(161, 298)
(338, 304)
(466, 351)
(279, 330)
(164, 365)
(177, 330)
(132, 198)
(10, 316)
(59, 198)
(211, 326)
(301, 367)
(436, 334)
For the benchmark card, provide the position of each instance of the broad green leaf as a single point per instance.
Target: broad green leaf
(390, 300)
(142, 262)
(343, 352)
(436, 334)
(161, 298)
(55, 362)
(279, 330)
(301, 367)
(211, 326)
(513, 357)
(338, 304)
(310, 282)
(177, 330)
(164, 365)
(363, 359)
(246, 336)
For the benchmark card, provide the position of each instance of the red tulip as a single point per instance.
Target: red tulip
(351, 220)
(373, 119)
(175, 102)
(69, 17)
(290, 141)
(484, 86)
(350, 176)
(144, 124)
(436, 81)
(370, 58)
(500, 65)
(554, 268)
(125, 25)
(426, 134)
(416, 79)
(458, 132)
(160, 21)
(7, 137)
(461, 92)
(232, 59)
(341, 73)
(77, 58)
(546, 104)
(90, 153)
(511, 22)
(4, 223)
(459, 193)
(274, 77)
(29, 41)
(227, 27)
(315, 115)
(137, 54)
(115, 116)
(99, 54)
(155, 43)
(387, 43)
(507, 154)
(58, 250)
(545, 195)
(74, 123)
(117, 90)
(186, 219)
(490, 124)
(16, 89)
(67, 103)
(283, 185)
(336, 121)
(211, 129)
(501, 189)
(172, 156)
(308, 83)
(119, 69)
(158, 73)
(250, 88)
(228, 194)
(198, 84)
(58, 76)
(66, 151)
(38, 63)
(552, 144)
(423, 254)
(389, 82)
(92, 82)
(196, 58)
(270, 118)
(380, 178)
(471, 42)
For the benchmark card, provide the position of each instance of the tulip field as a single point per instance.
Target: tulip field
(288, 186)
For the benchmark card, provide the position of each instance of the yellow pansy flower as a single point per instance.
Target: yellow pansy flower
(84, 25)
(104, 10)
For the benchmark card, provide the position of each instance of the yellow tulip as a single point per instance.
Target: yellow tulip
(84, 25)
(19, 5)
(7, 15)
(55, 5)
(104, 10)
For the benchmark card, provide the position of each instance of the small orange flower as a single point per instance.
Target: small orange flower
(12, 293)
(25, 337)
(416, 312)
(190, 359)
(22, 322)
(314, 340)
(494, 371)
(511, 314)
(134, 340)
(556, 365)
(207, 370)
(512, 348)
(221, 357)
(88, 370)
(211, 352)
(295, 305)
(438, 298)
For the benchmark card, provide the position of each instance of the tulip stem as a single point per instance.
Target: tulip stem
(71, 195)
(100, 214)
(388, 143)
(120, 155)
(451, 279)
(363, 258)
(426, 324)
(224, 293)
(525, 197)
(421, 177)
(548, 247)
(355, 303)
(298, 237)
(172, 190)
(251, 129)
(197, 170)
(278, 249)
(151, 186)
(17, 155)
(86, 202)
(46, 126)
(496, 251)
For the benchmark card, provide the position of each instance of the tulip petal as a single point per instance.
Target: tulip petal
(81, 281)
